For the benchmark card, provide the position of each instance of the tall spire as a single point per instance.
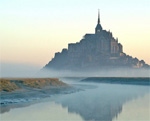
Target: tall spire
(98, 17)
(98, 28)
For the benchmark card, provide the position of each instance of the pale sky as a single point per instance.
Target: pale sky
(31, 31)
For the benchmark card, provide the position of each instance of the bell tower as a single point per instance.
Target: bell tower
(98, 28)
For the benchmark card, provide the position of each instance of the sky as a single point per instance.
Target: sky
(31, 31)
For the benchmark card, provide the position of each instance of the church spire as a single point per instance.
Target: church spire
(98, 28)
(98, 17)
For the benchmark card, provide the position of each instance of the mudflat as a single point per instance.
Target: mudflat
(13, 84)
(20, 90)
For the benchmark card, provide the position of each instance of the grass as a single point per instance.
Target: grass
(10, 85)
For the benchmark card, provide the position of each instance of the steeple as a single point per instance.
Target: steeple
(98, 17)
(98, 28)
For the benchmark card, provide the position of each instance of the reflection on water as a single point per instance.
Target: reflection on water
(105, 102)
(47, 111)
(136, 109)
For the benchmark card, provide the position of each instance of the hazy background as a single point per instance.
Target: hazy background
(31, 31)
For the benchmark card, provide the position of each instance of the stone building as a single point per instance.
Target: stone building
(96, 50)
(101, 42)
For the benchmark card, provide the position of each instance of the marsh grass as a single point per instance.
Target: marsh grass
(10, 85)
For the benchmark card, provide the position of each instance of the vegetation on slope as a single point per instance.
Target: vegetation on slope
(9, 85)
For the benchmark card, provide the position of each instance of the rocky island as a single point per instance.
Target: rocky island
(96, 51)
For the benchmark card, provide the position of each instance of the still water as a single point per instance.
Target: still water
(95, 102)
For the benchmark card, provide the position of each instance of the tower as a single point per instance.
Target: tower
(98, 28)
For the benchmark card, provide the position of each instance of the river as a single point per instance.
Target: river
(94, 102)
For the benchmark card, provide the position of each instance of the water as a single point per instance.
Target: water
(96, 102)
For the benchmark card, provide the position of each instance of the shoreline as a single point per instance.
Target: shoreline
(143, 81)
(17, 90)
(12, 84)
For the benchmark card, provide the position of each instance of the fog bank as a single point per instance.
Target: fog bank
(18, 70)
(120, 72)
(27, 70)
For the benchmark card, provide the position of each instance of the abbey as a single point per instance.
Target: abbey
(102, 42)
(94, 51)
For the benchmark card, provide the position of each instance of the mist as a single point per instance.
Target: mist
(120, 72)
(27, 70)
(18, 70)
